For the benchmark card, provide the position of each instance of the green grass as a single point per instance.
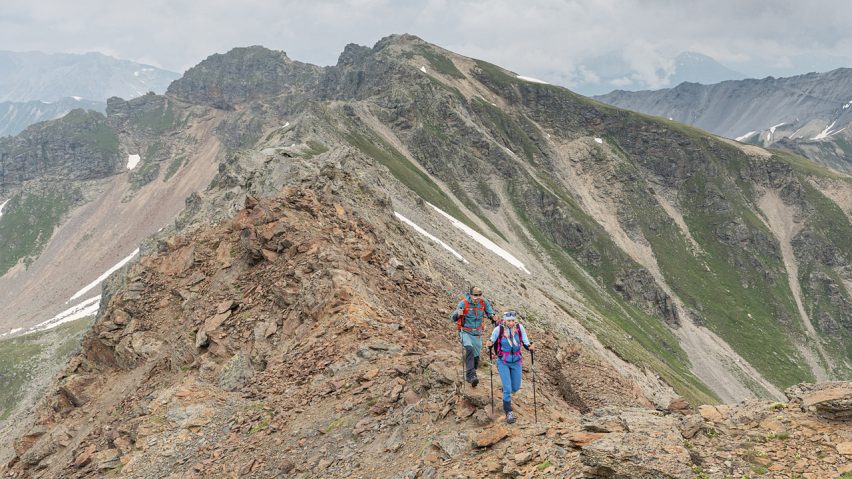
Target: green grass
(440, 63)
(314, 148)
(407, 173)
(22, 358)
(719, 295)
(28, 223)
(632, 334)
(509, 131)
(176, 163)
(159, 120)
(91, 128)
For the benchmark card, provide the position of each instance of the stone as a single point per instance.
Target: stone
(491, 436)
(522, 458)
(26, 441)
(85, 457)
(107, 459)
(690, 425)
(236, 372)
(679, 405)
(581, 439)
(710, 413)
(452, 444)
(481, 418)
(845, 448)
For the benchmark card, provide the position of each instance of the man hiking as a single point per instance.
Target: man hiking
(507, 339)
(469, 316)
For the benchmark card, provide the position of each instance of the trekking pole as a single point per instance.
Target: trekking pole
(535, 403)
(463, 372)
(491, 373)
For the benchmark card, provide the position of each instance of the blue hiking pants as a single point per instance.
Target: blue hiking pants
(510, 378)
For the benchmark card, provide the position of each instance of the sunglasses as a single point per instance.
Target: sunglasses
(476, 294)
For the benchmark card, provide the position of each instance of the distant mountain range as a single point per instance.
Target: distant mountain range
(36, 86)
(613, 72)
(15, 116)
(808, 114)
(27, 76)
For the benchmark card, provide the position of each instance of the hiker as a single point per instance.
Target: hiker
(469, 316)
(507, 339)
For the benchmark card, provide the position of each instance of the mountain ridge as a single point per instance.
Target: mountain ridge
(601, 203)
(807, 114)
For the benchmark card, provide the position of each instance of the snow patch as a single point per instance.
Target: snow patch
(532, 80)
(599, 141)
(487, 243)
(286, 124)
(772, 132)
(825, 133)
(426, 234)
(847, 105)
(1, 207)
(136, 73)
(741, 138)
(78, 98)
(423, 69)
(132, 161)
(88, 307)
(103, 276)
(11, 332)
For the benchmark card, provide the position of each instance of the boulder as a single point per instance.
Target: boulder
(830, 400)
(236, 372)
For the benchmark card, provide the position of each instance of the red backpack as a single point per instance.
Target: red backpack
(460, 317)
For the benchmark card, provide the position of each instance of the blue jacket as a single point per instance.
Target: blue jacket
(477, 310)
(509, 353)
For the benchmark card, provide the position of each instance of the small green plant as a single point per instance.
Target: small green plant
(758, 469)
(700, 473)
(710, 431)
(333, 425)
(259, 426)
(777, 406)
(688, 444)
(544, 465)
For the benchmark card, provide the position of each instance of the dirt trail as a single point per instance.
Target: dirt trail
(780, 219)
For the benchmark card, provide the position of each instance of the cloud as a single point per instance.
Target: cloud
(556, 40)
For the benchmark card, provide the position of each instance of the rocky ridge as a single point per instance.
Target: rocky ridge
(646, 240)
(298, 339)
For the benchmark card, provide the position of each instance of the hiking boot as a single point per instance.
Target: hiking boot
(474, 383)
(510, 417)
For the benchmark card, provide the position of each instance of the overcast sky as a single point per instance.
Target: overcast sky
(566, 42)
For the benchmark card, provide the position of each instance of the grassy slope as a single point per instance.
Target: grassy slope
(24, 358)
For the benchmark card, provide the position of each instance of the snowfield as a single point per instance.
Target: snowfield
(103, 276)
(432, 238)
(532, 80)
(88, 307)
(132, 161)
(746, 136)
(487, 243)
(1, 207)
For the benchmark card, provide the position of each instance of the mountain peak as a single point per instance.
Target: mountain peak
(241, 74)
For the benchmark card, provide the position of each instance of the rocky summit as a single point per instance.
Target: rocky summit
(688, 296)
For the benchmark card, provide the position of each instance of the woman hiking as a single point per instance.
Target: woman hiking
(507, 339)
